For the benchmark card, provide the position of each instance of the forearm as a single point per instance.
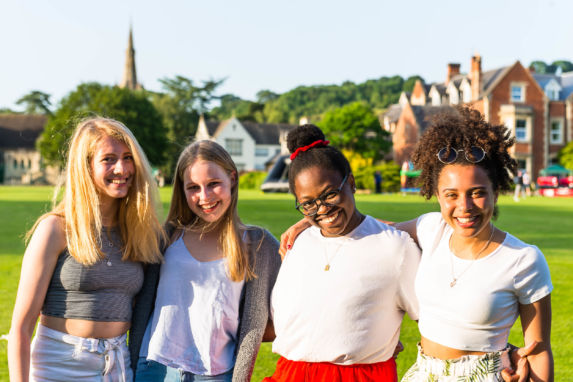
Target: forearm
(541, 366)
(19, 355)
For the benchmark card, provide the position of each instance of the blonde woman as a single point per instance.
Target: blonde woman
(202, 316)
(83, 263)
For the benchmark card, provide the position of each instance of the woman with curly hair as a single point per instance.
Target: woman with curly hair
(474, 280)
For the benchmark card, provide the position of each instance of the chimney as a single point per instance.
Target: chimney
(453, 69)
(475, 77)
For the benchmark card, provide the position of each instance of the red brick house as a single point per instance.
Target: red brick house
(537, 108)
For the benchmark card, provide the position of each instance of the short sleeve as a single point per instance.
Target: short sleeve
(407, 299)
(532, 280)
(428, 227)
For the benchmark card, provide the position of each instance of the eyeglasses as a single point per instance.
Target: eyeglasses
(331, 198)
(449, 155)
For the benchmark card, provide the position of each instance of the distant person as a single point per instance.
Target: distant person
(84, 263)
(202, 314)
(526, 183)
(474, 280)
(518, 181)
(378, 181)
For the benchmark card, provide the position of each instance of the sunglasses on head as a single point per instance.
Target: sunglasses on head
(449, 155)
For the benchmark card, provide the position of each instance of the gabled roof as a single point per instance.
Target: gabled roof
(20, 130)
(441, 88)
(262, 133)
(266, 134)
(424, 114)
(544, 79)
(491, 77)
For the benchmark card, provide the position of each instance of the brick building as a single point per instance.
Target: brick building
(537, 108)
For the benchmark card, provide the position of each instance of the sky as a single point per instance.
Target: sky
(53, 46)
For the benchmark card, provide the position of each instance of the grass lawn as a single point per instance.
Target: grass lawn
(547, 223)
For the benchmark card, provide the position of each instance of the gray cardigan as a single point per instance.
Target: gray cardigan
(254, 306)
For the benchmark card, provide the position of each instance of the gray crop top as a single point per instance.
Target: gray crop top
(101, 292)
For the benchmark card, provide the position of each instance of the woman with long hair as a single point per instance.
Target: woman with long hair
(203, 313)
(84, 262)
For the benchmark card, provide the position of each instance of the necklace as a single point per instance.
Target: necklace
(329, 260)
(110, 244)
(454, 278)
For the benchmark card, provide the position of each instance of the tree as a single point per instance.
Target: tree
(565, 156)
(566, 66)
(539, 66)
(36, 102)
(181, 105)
(91, 99)
(355, 127)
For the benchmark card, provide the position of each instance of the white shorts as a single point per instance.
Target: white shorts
(478, 368)
(58, 356)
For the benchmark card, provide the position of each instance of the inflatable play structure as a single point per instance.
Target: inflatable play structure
(555, 180)
(277, 179)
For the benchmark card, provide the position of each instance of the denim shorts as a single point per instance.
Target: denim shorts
(152, 371)
(58, 356)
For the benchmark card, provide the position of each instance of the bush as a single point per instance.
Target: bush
(252, 180)
(390, 171)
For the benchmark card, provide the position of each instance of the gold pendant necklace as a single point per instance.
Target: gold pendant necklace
(454, 278)
(327, 260)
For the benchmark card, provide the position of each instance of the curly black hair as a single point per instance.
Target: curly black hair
(326, 157)
(459, 130)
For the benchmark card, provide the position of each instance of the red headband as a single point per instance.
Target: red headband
(320, 142)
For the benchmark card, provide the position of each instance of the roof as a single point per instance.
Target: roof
(266, 134)
(424, 114)
(20, 130)
(441, 88)
(566, 84)
(393, 113)
(490, 77)
(544, 79)
(262, 133)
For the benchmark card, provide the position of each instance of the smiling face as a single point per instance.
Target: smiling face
(207, 189)
(112, 168)
(333, 220)
(467, 199)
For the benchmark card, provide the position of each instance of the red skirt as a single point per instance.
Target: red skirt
(295, 371)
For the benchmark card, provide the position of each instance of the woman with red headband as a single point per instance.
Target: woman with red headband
(344, 287)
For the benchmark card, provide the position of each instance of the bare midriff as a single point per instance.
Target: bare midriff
(436, 350)
(85, 328)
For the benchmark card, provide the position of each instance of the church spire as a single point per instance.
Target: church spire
(129, 79)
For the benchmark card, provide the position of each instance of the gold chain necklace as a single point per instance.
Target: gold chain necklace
(327, 260)
(454, 278)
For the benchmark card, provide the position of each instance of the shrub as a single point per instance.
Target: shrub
(390, 171)
(252, 180)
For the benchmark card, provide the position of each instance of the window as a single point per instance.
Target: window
(261, 152)
(556, 134)
(15, 163)
(234, 146)
(521, 129)
(517, 93)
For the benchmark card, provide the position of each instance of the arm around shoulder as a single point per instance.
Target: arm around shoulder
(46, 243)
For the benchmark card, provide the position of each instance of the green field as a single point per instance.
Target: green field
(547, 223)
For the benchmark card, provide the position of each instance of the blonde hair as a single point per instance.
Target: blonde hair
(138, 222)
(180, 215)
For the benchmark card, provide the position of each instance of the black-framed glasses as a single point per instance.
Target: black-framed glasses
(330, 198)
(449, 155)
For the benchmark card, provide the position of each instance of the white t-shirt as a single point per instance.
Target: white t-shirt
(351, 313)
(478, 312)
(196, 317)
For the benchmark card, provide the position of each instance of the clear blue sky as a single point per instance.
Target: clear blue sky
(54, 45)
